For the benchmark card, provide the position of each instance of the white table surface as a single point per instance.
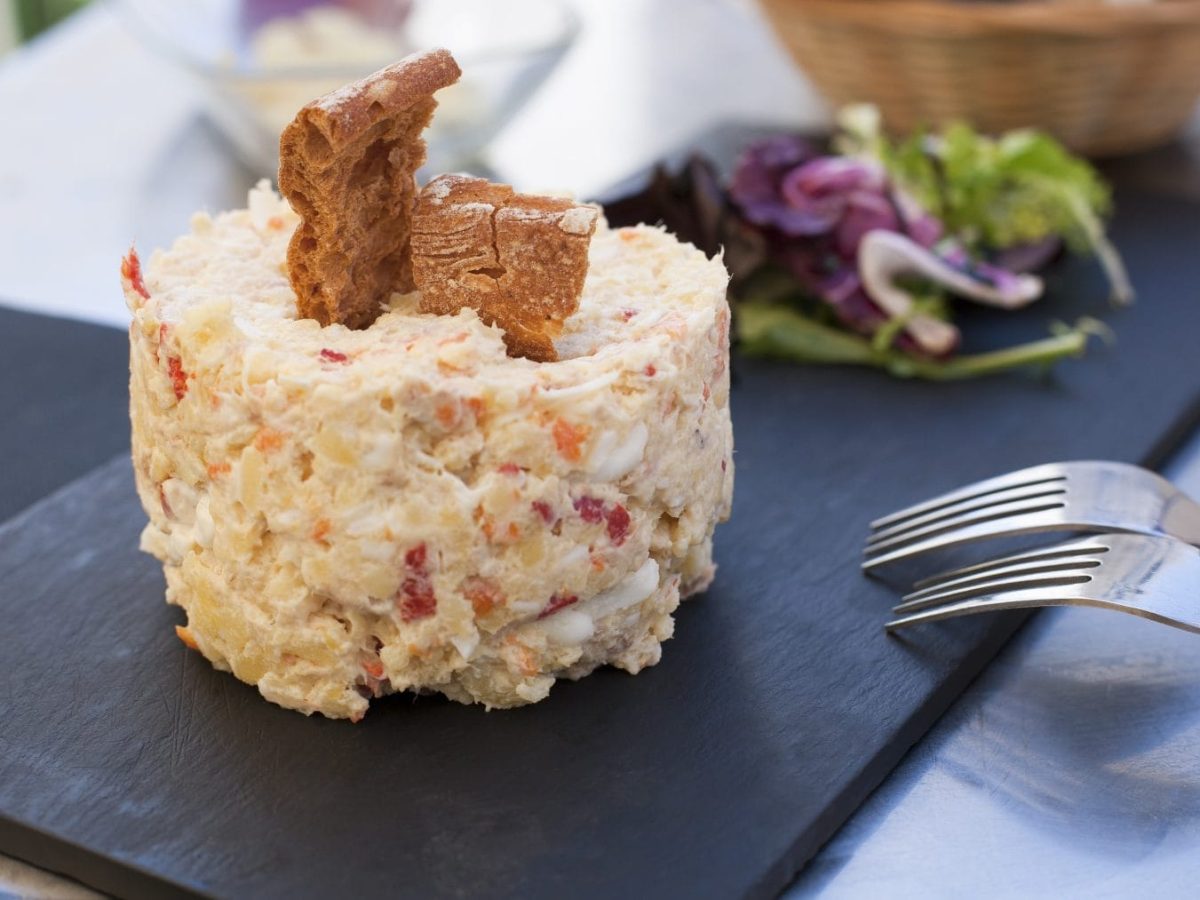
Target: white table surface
(1071, 768)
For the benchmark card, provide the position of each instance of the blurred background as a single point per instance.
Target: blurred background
(25, 19)
(132, 114)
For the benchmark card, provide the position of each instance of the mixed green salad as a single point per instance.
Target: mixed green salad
(858, 254)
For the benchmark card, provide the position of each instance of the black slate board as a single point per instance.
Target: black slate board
(64, 390)
(132, 765)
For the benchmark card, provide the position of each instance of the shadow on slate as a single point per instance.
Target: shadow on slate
(129, 763)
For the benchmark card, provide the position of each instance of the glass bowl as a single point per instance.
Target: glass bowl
(259, 61)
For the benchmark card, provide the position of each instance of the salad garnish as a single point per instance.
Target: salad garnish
(995, 193)
(857, 254)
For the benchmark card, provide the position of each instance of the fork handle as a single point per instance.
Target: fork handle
(1181, 519)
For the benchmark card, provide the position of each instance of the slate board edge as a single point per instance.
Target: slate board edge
(876, 772)
(39, 848)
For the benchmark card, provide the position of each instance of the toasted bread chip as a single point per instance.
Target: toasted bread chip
(518, 260)
(346, 165)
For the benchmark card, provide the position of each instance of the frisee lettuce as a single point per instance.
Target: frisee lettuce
(994, 193)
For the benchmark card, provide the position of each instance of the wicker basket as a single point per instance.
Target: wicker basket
(1104, 78)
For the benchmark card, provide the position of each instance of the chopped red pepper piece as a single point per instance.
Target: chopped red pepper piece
(416, 598)
(590, 509)
(179, 378)
(131, 270)
(557, 602)
(333, 356)
(374, 668)
(618, 524)
(415, 558)
(418, 601)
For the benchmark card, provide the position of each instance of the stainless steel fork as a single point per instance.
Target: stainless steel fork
(1070, 496)
(1151, 576)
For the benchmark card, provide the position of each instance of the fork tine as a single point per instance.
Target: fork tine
(1030, 599)
(1060, 577)
(965, 520)
(1066, 562)
(955, 511)
(1142, 574)
(1058, 551)
(1018, 599)
(1032, 522)
(1022, 478)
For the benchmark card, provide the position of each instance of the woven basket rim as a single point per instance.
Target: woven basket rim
(932, 18)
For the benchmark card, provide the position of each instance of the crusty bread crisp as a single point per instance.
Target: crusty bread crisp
(346, 165)
(518, 260)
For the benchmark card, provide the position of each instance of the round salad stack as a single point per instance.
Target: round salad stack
(346, 513)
